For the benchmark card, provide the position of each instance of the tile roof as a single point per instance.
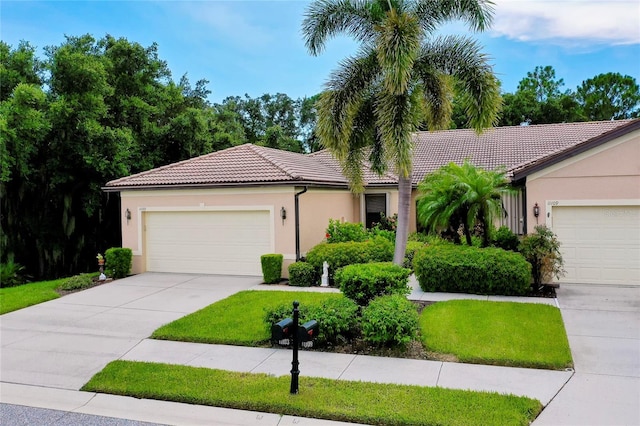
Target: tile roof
(515, 148)
(512, 147)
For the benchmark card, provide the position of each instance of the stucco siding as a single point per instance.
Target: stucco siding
(317, 206)
(608, 172)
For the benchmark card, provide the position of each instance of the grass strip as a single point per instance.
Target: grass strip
(236, 320)
(361, 402)
(500, 333)
(18, 297)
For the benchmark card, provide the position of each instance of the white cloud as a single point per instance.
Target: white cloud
(569, 22)
(229, 20)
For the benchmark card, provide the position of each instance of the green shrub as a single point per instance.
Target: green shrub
(389, 320)
(412, 247)
(11, 274)
(337, 318)
(542, 251)
(271, 267)
(387, 223)
(364, 282)
(463, 269)
(118, 262)
(77, 282)
(342, 232)
(302, 274)
(505, 239)
(383, 233)
(342, 254)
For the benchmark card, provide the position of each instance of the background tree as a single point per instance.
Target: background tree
(610, 96)
(402, 78)
(19, 65)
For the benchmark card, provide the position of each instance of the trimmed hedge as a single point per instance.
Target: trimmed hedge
(412, 247)
(342, 232)
(390, 321)
(342, 254)
(271, 267)
(364, 282)
(302, 274)
(337, 318)
(463, 269)
(76, 282)
(118, 261)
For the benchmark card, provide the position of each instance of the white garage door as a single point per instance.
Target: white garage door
(600, 244)
(211, 242)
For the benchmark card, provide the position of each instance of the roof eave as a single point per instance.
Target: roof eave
(575, 150)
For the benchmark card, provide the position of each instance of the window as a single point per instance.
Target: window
(374, 204)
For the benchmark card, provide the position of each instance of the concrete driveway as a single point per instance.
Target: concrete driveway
(603, 326)
(64, 342)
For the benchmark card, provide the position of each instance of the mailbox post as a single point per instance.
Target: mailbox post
(295, 372)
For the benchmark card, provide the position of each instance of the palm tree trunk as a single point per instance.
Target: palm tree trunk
(402, 231)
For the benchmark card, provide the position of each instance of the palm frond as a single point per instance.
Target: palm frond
(462, 58)
(325, 19)
(478, 14)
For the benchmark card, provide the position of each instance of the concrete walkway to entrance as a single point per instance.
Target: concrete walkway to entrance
(50, 350)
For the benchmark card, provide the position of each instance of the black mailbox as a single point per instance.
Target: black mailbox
(308, 331)
(282, 330)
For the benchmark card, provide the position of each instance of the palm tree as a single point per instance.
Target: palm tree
(402, 79)
(464, 195)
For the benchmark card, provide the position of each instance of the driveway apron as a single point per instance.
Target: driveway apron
(603, 327)
(64, 342)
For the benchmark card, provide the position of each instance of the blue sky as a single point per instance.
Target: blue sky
(255, 47)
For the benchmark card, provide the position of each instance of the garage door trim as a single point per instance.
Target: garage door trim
(202, 208)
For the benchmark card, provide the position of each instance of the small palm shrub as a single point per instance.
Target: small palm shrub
(363, 282)
(342, 232)
(389, 321)
(271, 267)
(77, 282)
(11, 274)
(118, 261)
(505, 239)
(464, 269)
(542, 251)
(302, 274)
(342, 254)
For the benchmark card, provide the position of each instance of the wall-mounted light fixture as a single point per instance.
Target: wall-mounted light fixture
(536, 211)
(283, 214)
(127, 214)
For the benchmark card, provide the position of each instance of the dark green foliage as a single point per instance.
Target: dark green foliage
(364, 282)
(462, 269)
(342, 254)
(11, 274)
(342, 232)
(271, 267)
(387, 223)
(389, 321)
(412, 247)
(505, 239)
(118, 262)
(77, 282)
(542, 251)
(337, 318)
(302, 274)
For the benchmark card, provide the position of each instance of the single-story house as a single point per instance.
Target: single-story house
(219, 212)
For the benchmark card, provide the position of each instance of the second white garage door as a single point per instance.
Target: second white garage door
(211, 242)
(600, 244)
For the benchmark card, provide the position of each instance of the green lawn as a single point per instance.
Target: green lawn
(236, 320)
(14, 298)
(501, 333)
(370, 403)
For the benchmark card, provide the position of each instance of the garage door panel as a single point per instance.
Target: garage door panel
(600, 244)
(217, 242)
